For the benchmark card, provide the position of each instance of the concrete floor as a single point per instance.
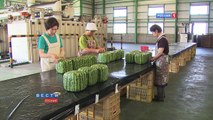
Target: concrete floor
(18, 71)
(189, 95)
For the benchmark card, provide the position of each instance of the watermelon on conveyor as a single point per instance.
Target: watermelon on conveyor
(120, 54)
(104, 57)
(129, 58)
(64, 65)
(102, 72)
(141, 58)
(75, 81)
(91, 73)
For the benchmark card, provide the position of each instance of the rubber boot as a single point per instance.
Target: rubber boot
(160, 93)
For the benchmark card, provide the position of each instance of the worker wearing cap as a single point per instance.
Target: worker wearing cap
(87, 42)
(50, 46)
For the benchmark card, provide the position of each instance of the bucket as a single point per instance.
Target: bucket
(144, 48)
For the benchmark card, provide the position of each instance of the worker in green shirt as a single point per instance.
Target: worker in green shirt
(50, 46)
(87, 42)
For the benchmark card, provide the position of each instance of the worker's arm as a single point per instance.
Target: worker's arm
(62, 53)
(101, 49)
(48, 55)
(89, 50)
(159, 53)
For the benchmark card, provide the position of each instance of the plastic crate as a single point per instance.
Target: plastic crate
(140, 94)
(106, 109)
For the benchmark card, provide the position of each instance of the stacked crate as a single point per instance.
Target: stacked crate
(181, 59)
(106, 109)
(174, 65)
(141, 89)
(193, 51)
(188, 55)
(71, 117)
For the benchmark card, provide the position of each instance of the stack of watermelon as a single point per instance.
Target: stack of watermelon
(138, 57)
(86, 76)
(104, 57)
(83, 61)
(75, 81)
(75, 63)
(110, 56)
(130, 58)
(64, 65)
(91, 74)
(141, 58)
(102, 72)
(119, 54)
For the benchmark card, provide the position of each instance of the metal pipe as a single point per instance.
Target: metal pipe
(121, 41)
(81, 8)
(176, 33)
(93, 8)
(136, 20)
(111, 41)
(104, 12)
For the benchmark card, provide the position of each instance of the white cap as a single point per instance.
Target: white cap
(91, 27)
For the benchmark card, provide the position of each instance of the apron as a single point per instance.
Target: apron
(91, 43)
(48, 63)
(162, 68)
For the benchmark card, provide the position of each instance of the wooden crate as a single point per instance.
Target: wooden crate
(174, 66)
(140, 94)
(144, 81)
(188, 58)
(122, 91)
(82, 117)
(106, 109)
(71, 117)
(182, 61)
(193, 51)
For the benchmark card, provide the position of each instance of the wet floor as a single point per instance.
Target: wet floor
(189, 95)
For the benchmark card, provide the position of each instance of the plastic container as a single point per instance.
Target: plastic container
(144, 48)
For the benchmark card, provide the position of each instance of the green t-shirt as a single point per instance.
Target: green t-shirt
(87, 42)
(42, 44)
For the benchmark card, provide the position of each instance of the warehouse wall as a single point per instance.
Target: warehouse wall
(185, 17)
(83, 7)
(171, 26)
(142, 19)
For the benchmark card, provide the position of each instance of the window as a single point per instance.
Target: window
(154, 10)
(199, 10)
(200, 28)
(119, 28)
(120, 12)
(150, 25)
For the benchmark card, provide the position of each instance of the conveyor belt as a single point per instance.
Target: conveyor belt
(49, 82)
(177, 48)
